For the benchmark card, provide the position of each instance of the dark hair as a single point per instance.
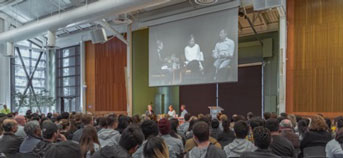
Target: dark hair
(303, 126)
(215, 123)
(187, 117)
(65, 115)
(250, 115)
(205, 119)
(86, 119)
(111, 119)
(339, 121)
(226, 125)
(102, 122)
(266, 115)
(174, 123)
(88, 138)
(256, 122)
(149, 128)
(64, 149)
(136, 119)
(241, 129)
(201, 131)
(298, 118)
(191, 124)
(8, 125)
(284, 115)
(328, 123)
(131, 137)
(262, 137)
(49, 115)
(155, 147)
(124, 121)
(272, 124)
(281, 118)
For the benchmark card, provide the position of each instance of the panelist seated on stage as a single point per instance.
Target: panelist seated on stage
(149, 111)
(171, 111)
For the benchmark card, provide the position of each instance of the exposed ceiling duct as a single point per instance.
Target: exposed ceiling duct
(91, 12)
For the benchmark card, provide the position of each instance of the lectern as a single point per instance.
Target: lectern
(214, 110)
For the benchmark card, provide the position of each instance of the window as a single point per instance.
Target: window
(68, 79)
(29, 59)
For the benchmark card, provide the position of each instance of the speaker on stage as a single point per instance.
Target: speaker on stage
(98, 35)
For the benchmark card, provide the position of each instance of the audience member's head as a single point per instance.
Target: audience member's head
(303, 126)
(266, 115)
(87, 119)
(10, 126)
(131, 138)
(328, 123)
(33, 129)
(155, 147)
(339, 136)
(64, 150)
(201, 132)
(49, 131)
(272, 124)
(102, 122)
(112, 121)
(318, 124)
(136, 119)
(65, 124)
(250, 115)
(215, 124)
(273, 115)
(226, 125)
(241, 129)
(286, 124)
(88, 139)
(262, 137)
(187, 116)
(256, 122)
(65, 115)
(164, 126)
(149, 128)
(191, 124)
(283, 114)
(293, 119)
(339, 122)
(123, 122)
(20, 120)
(49, 115)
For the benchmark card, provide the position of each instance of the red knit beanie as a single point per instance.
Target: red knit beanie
(164, 126)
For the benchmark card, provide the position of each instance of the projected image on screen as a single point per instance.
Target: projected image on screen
(197, 50)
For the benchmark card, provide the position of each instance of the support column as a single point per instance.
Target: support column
(5, 82)
(83, 84)
(282, 58)
(129, 70)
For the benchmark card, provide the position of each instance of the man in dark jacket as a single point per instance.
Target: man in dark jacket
(280, 145)
(33, 132)
(262, 140)
(204, 148)
(9, 143)
(149, 129)
(287, 131)
(131, 138)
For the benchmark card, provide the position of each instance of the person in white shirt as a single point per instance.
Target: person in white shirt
(171, 111)
(223, 52)
(193, 53)
(184, 111)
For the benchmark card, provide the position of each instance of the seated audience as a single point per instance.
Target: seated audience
(50, 135)
(33, 132)
(174, 125)
(10, 143)
(183, 128)
(262, 140)
(123, 122)
(250, 115)
(280, 145)
(240, 144)
(317, 134)
(66, 149)
(266, 115)
(149, 129)
(303, 127)
(227, 136)
(253, 123)
(132, 137)
(175, 146)
(334, 147)
(21, 123)
(155, 147)
(107, 135)
(189, 133)
(204, 148)
(191, 143)
(215, 130)
(287, 131)
(65, 129)
(87, 120)
(89, 142)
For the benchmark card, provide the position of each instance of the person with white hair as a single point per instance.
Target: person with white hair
(287, 130)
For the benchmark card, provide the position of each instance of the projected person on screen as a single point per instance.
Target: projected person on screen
(223, 53)
(194, 57)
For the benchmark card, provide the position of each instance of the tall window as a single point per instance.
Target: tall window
(29, 64)
(68, 79)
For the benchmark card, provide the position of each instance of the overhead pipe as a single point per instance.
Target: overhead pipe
(96, 10)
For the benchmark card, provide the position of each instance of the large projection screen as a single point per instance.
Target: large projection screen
(197, 50)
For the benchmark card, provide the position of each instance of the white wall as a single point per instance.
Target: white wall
(5, 90)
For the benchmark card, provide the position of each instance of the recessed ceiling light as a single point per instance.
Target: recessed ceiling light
(205, 2)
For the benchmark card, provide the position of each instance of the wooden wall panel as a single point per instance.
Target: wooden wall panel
(314, 66)
(108, 87)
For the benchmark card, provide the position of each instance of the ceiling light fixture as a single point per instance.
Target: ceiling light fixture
(205, 2)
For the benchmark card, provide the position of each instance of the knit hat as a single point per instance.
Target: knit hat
(164, 126)
(64, 150)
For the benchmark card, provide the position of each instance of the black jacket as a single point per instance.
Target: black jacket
(259, 153)
(9, 144)
(41, 148)
(226, 138)
(315, 138)
(114, 151)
